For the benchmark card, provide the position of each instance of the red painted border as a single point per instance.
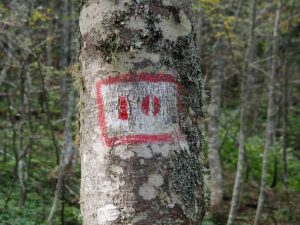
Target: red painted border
(142, 138)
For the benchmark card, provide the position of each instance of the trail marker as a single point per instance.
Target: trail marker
(138, 108)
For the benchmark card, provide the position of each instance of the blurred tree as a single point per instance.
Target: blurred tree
(272, 112)
(247, 83)
(214, 111)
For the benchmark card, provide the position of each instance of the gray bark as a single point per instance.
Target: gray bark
(66, 157)
(248, 76)
(22, 172)
(65, 52)
(198, 26)
(5, 70)
(285, 130)
(214, 111)
(271, 116)
(156, 181)
(51, 36)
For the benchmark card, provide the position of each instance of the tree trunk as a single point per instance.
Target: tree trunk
(22, 172)
(66, 157)
(140, 105)
(285, 130)
(270, 117)
(247, 83)
(214, 111)
(65, 52)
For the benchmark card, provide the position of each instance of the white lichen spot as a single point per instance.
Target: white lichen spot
(98, 149)
(126, 155)
(117, 169)
(147, 191)
(137, 23)
(139, 217)
(142, 162)
(167, 2)
(83, 158)
(161, 149)
(144, 152)
(97, 146)
(172, 29)
(93, 14)
(108, 213)
(172, 205)
(123, 152)
(156, 180)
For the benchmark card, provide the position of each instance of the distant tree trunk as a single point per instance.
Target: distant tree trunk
(6, 67)
(140, 105)
(65, 51)
(50, 37)
(247, 82)
(214, 111)
(67, 154)
(285, 129)
(198, 27)
(22, 170)
(66, 157)
(285, 103)
(270, 117)
(3, 74)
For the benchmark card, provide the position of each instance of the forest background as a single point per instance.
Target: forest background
(241, 59)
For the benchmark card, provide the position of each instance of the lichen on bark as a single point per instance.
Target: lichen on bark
(150, 183)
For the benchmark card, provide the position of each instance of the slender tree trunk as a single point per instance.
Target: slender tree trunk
(4, 71)
(65, 52)
(21, 148)
(214, 111)
(66, 157)
(68, 104)
(285, 129)
(141, 101)
(248, 75)
(3, 75)
(31, 138)
(198, 27)
(51, 37)
(270, 118)
(237, 13)
(5, 143)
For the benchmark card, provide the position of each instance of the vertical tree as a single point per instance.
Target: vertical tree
(140, 105)
(247, 82)
(68, 103)
(214, 111)
(272, 111)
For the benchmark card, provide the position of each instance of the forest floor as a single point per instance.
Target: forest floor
(280, 208)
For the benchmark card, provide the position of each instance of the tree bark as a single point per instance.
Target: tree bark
(214, 111)
(272, 110)
(65, 52)
(22, 170)
(285, 130)
(247, 83)
(140, 104)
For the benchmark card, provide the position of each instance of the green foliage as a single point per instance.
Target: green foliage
(208, 220)
(31, 44)
(254, 145)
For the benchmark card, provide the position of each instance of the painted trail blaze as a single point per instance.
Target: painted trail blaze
(138, 108)
(123, 113)
(146, 105)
